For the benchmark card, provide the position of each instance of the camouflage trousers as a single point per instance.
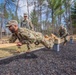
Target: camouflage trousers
(37, 36)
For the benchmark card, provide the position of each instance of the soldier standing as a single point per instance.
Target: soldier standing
(63, 34)
(25, 36)
(27, 23)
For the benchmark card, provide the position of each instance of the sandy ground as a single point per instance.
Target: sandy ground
(7, 45)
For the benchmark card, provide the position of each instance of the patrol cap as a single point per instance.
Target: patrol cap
(11, 22)
(25, 14)
(61, 26)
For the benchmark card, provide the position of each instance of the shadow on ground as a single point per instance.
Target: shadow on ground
(27, 55)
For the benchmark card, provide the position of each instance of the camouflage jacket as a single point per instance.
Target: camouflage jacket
(63, 32)
(28, 24)
(25, 35)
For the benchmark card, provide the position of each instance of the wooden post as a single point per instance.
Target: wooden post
(56, 45)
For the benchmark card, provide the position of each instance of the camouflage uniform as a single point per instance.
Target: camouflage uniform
(27, 36)
(63, 34)
(27, 23)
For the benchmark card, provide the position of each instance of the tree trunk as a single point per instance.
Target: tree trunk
(53, 26)
(1, 27)
(16, 10)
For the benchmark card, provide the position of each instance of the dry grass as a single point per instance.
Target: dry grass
(12, 50)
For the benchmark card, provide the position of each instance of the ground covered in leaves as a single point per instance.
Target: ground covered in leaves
(44, 62)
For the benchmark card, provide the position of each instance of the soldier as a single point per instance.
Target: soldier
(25, 36)
(27, 23)
(63, 34)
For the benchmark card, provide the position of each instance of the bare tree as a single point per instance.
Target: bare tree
(17, 6)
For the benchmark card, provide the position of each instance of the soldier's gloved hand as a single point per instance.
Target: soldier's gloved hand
(19, 44)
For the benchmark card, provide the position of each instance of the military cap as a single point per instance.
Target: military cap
(25, 14)
(11, 22)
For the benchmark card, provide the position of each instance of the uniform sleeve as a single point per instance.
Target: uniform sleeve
(65, 30)
(66, 33)
(12, 38)
(31, 25)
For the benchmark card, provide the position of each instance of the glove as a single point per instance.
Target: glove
(19, 44)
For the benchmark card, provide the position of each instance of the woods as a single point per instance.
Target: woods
(46, 16)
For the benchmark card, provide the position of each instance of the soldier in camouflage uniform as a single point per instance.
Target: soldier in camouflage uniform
(27, 23)
(26, 36)
(63, 34)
